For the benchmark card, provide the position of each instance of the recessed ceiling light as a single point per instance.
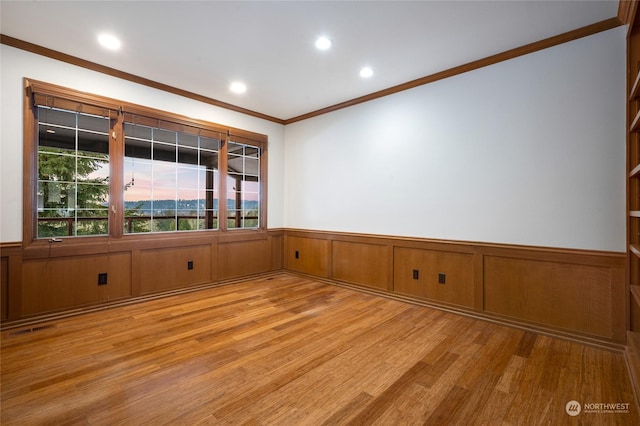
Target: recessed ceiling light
(323, 43)
(366, 72)
(108, 41)
(238, 87)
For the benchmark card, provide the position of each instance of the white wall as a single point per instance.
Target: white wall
(528, 151)
(16, 64)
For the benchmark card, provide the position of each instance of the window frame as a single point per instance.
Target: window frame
(62, 137)
(41, 93)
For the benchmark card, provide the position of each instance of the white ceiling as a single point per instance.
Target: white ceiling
(201, 46)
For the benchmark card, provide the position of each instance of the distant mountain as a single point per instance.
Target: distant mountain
(171, 205)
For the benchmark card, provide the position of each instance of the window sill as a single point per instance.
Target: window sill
(42, 248)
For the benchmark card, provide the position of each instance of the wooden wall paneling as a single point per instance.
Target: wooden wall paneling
(619, 304)
(568, 296)
(155, 240)
(308, 255)
(361, 263)
(243, 258)
(459, 286)
(57, 284)
(136, 272)
(118, 279)
(4, 288)
(578, 292)
(14, 292)
(214, 261)
(10, 278)
(478, 282)
(167, 269)
(277, 249)
(466, 262)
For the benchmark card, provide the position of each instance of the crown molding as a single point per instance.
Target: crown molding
(624, 12)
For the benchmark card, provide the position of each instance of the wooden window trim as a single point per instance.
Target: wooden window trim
(42, 93)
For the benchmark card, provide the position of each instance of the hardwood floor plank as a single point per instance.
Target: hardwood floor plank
(525, 345)
(285, 350)
(438, 368)
(450, 407)
(348, 411)
(381, 403)
(511, 374)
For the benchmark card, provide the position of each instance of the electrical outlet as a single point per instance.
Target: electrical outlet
(442, 278)
(102, 278)
(190, 264)
(416, 274)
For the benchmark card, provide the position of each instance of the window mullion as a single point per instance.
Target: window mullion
(222, 198)
(240, 195)
(116, 177)
(73, 226)
(176, 191)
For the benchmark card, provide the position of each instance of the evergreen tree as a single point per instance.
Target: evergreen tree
(66, 190)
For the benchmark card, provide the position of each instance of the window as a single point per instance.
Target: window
(73, 173)
(243, 185)
(99, 167)
(171, 177)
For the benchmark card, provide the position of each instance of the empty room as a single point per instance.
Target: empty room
(319, 212)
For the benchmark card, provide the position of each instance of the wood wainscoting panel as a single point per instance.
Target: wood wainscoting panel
(11, 271)
(277, 247)
(168, 269)
(4, 287)
(419, 273)
(360, 263)
(243, 258)
(569, 296)
(307, 255)
(50, 285)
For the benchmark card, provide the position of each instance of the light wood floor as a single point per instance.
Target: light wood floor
(287, 350)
